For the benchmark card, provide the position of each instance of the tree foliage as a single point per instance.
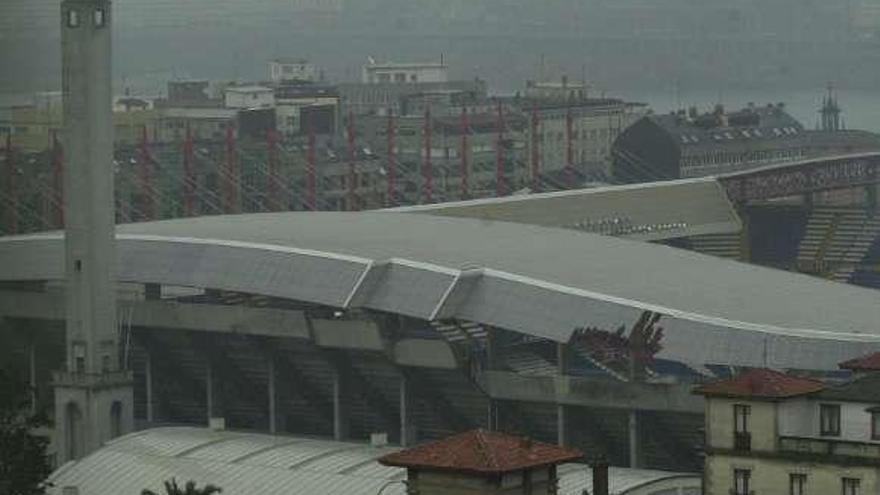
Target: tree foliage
(24, 465)
(172, 488)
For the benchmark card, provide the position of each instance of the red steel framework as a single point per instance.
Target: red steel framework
(11, 188)
(230, 175)
(569, 150)
(391, 173)
(500, 186)
(536, 154)
(351, 181)
(146, 182)
(57, 181)
(427, 165)
(311, 172)
(465, 169)
(272, 199)
(189, 179)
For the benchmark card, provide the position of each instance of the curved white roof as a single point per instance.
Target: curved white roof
(536, 280)
(248, 463)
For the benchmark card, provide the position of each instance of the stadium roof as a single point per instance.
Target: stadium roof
(249, 463)
(646, 212)
(539, 281)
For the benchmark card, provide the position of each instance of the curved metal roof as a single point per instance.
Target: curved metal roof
(246, 463)
(536, 280)
(690, 207)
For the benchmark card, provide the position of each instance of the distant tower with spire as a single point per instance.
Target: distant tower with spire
(830, 111)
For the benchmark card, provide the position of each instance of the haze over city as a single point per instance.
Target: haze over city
(471, 247)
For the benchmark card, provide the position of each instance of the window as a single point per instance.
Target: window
(875, 425)
(829, 419)
(741, 418)
(742, 439)
(72, 18)
(797, 484)
(850, 486)
(116, 419)
(741, 478)
(99, 18)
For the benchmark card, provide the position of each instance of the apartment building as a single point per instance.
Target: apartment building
(772, 433)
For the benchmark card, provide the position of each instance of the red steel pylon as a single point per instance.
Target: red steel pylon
(427, 164)
(231, 175)
(351, 181)
(391, 173)
(57, 181)
(311, 172)
(272, 200)
(189, 177)
(500, 187)
(11, 188)
(146, 168)
(536, 156)
(465, 168)
(570, 181)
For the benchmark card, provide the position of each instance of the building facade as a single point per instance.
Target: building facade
(393, 72)
(771, 433)
(287, 69)
(249, 97)
(577, 133)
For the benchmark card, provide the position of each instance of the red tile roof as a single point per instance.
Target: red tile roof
(482, 452)
(871, 362)
(763, 384)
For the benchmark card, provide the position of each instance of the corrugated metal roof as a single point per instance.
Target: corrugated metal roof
(250, 463)
(689, 207)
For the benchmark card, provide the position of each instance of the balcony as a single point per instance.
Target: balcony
(854, 450)
(742, 441)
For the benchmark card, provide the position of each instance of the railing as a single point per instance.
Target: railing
(828, 446)
(91, 380)
(742, 441)
(734, 491)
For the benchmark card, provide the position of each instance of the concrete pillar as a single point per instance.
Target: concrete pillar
(407, 436)
(273, 425)
(93, 395)
(148, 377)
(209, 392)
(561, 425)
(491, 348)
(745, 241)
(340, 408)
(633, 427)
(32, 373)
(492, 416)
(562, 360)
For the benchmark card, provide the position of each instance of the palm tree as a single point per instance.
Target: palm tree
(171, 488)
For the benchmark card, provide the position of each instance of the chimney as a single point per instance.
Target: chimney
(600, 477)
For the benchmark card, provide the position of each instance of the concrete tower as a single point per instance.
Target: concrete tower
(93, 396)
